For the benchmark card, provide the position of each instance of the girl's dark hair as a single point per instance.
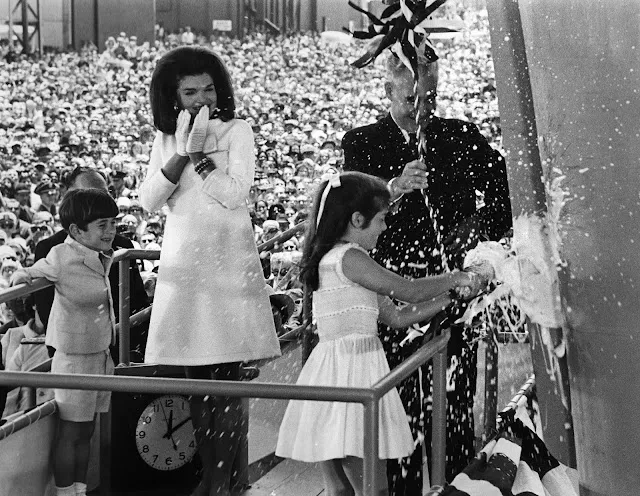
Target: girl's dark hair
(83, 206)
(175, 65)
(358, 192)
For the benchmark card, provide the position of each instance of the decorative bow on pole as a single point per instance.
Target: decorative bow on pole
(403, 26)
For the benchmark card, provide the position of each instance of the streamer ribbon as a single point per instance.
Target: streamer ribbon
(402, 27)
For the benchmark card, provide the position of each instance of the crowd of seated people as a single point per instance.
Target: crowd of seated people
(90, 109)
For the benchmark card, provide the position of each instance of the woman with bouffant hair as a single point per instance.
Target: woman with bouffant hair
(171, 68)
(211, 306)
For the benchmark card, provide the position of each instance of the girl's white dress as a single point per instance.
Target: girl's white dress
(211, 303)
(349, 354)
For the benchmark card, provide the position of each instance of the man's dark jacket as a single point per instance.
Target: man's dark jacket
(460, 161)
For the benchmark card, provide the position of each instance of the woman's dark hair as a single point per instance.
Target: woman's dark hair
(358, 192)
(83, 206)
(23, 307)
(175, 65)
(274, 210)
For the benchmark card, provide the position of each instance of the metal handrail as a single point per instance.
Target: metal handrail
(501, 423)
(282, 237)
(507, 413)
(525, 390)
(436, 349)
(399, 374)
(368, 397)
(136, 319)
(27, 418)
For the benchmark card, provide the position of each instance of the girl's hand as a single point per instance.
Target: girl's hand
(20, 277)
(468, 284)
(195, 143)
(182, 132)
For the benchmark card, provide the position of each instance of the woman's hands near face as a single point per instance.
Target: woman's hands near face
(182, 132)
(198, 134)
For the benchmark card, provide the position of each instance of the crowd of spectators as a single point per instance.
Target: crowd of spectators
(299, 93)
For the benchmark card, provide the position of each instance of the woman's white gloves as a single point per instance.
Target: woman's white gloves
(182, 132)
(198, 134)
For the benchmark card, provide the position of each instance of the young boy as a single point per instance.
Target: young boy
(81, 324)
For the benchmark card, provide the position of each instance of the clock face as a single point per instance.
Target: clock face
(164, 434)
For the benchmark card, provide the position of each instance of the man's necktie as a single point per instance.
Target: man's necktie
(413, 143)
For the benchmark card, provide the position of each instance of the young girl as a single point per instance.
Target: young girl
(351, 293)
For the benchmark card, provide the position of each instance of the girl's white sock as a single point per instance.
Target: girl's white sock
(66, 491)
(81, 488)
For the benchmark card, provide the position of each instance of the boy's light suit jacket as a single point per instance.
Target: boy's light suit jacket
(82, 319)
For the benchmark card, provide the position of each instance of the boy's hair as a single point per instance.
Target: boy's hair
(358, 192)
(83, 206)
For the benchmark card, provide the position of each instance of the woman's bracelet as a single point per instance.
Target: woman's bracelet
(203, 164)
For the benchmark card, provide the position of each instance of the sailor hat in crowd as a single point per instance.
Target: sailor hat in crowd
(44, 187)
(307, 148)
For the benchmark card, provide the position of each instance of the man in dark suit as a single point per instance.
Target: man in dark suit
(465, 182)
(82, 178)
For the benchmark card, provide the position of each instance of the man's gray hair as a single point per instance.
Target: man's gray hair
(396, 68)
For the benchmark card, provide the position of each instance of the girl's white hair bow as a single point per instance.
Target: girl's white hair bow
(333, 181)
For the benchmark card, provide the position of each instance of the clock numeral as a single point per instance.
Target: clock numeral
(148, 419)
(142, 434)
(192, 444)
(145, 448)
(168, 461)
(182, 455)
(155, 458)
(168, 403)
(156, 408)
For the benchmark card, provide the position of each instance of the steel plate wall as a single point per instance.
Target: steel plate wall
(584, 65)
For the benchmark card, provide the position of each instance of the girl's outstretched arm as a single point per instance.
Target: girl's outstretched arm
(412, 313)
(360, 268)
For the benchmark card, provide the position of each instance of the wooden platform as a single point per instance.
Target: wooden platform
(287, 478)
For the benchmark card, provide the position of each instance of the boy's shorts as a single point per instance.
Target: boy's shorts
(79, 405)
